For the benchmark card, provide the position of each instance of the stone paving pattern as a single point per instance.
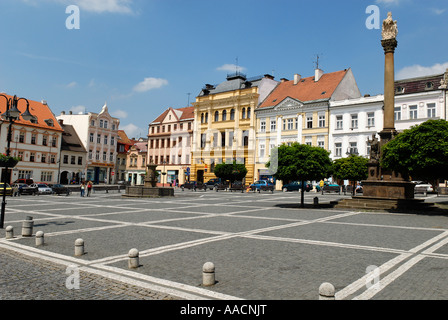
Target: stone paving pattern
(263, 246)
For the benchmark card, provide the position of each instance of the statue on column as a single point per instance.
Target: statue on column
(390, 29)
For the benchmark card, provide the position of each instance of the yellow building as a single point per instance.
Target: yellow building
(298, 111)
(225, 124)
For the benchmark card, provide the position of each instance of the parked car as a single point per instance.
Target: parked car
(8, 189)
(212, 183)
(331, 187)
(296, 186)
(60, 189)
(25, 181)
(423, 185)
(26, 189)
(262, 185)
(42, 188)
(193, 185)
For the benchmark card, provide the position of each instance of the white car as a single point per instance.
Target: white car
(421, 184)
(42, 188)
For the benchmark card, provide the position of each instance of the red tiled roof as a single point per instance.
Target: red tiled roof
(123, 138)
(306, 90)
(187, 113)
(37, 109)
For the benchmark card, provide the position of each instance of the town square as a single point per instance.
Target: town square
(183, 154)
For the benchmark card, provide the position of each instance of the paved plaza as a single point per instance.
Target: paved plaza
(264, 247)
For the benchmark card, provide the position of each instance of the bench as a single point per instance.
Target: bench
(329, 189)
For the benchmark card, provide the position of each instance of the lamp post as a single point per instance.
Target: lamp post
(163, 173)
(11, 115)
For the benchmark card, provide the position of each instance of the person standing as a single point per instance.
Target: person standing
(89, 188)
(83, 187)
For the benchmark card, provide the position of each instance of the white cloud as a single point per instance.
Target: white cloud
(96, 6)
(388, 2)
(438, 11)
(78, 109)
(150, 84)
(420, 71)
(72, 84)
(132, 131)
(120, 114)
(231, 68)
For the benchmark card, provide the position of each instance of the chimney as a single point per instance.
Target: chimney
(70, 112)
(62, 113)
(297, 78)
(318, 74)
(61, 121)
(283, 80)
(44, 102)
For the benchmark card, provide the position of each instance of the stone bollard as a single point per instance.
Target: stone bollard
(27, 227)
(39, 238)
(79, 247)
(326, 291)
(208, 274)
(9, 232)
(133, 262)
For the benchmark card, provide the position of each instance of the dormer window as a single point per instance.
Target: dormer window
(429, 85)
(399, 90)
(49, 122)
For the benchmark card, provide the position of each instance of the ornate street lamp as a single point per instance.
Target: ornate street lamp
(11, 115)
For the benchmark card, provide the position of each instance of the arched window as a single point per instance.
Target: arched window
(216, 116)
(206, 117)
(202, 118)
(243, 113)
(248, 113)
(232, 114)
(224, 115)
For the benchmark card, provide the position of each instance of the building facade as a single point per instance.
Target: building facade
(123, 146)
(37, 143)
(99, 133)
(136, 162)
(169, 144)
(299, 111)
(225, 124)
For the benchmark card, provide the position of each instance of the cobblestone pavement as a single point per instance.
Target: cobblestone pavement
(263, 246)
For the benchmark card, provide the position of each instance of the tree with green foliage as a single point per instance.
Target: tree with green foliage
(300, 162)
(353, 168)
(420, 152)
(230, 172)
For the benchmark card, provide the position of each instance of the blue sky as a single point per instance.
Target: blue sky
(143, 56)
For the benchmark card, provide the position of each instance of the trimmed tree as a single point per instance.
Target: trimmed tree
(420, 152)
(230, 172)
(353, 168)
(300, 162)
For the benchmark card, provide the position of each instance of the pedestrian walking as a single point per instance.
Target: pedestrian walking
(89, 188)
(83, 187)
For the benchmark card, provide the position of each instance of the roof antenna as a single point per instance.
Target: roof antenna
(316, 63)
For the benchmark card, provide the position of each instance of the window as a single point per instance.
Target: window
(354, 123)
(25, 174)
(263, 126)
(43, 158)
(224, 115)
(32, 156)
(309, 122)
(262, 150)
(97, 156)
(101, 123)
(245, 138)
(46, 176)
(106, 124)
(338, 149)
(33, 138)
(113, 126)
(353, 148)
(290, 124)
(243, 113)
(202, 118)
(189, 125)
(322, 121)
(44, 140)
(431, 110)
(20, 155)
(80, 161)
(98, 138)
(104, 156)
(413, 112)
(54, 142)
(90, 155)
(321, 143)
(169, 128)
(339, 123)
(371, 119)
(106, 138)
(215, 140)
(91, 137)
(72, 160)
(284, 124)
(232, 114)
(92, 123)
(397, 113)
(22, 137)
(273, 125)
(309, 141)
(216, 116)
(111, 158)
(223, 139)
(231, 135)
(248, 113)
(112, 141)
(203, 140)
(65, 161)
(296, 122)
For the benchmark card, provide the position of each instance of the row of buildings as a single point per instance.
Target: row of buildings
(241, 119)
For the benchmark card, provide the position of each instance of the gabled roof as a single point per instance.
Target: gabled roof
(305, 90)
(181, 114)
(70, 140)
(38, 109)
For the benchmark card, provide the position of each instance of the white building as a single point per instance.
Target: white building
(99, 134)
(353, 122)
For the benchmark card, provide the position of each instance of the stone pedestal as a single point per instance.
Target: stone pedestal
(149, 189)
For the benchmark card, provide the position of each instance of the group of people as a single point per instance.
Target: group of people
(87, 187)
